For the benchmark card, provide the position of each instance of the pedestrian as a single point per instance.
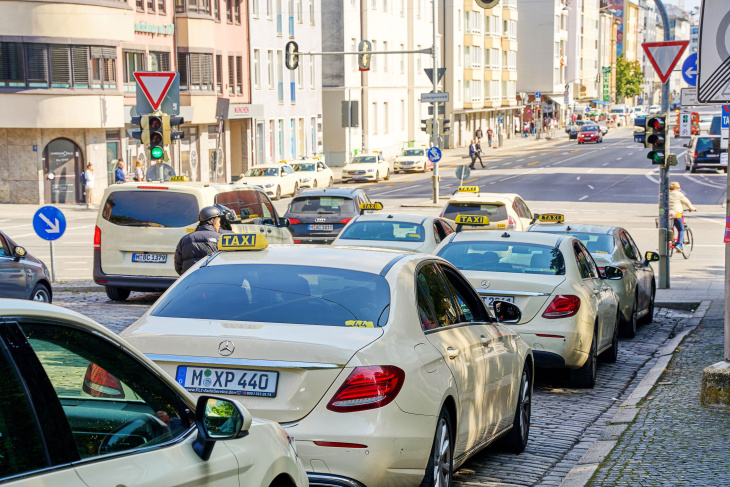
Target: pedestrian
(527, 130)
(478, 134)
(532, 127)
(139, 172)
(200, 243)
(472, 154)
(677, 202)
(89, 185)
(478, 148)
(490, 134)
(119, 175)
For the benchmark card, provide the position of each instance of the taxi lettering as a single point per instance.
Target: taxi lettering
(182, 179)
(371, 206)
(468, 189)
(360, 324)
(242, 241)
(551, 218)
(472, 220)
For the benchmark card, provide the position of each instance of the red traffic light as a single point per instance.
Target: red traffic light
(657, 124)
(155, 123)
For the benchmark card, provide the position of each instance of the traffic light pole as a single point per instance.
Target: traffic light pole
(435, 134)
(664, 176)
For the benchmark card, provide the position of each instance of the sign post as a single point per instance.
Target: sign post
(50, 224)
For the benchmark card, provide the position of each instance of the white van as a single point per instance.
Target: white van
(620, 115)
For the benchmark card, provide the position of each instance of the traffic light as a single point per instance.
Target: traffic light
(427, 126)
(641, 122)
(175, 123)
(656, 136)
(445, 125)
(155, 138)
(363, 60)
(292, 55)
(137, 134)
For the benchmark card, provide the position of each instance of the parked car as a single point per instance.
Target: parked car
(705, 123)
(506, 211)
(368, 166)
(22, 276)
(412, 160)
(705, 152)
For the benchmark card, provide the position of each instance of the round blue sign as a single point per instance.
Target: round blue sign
(689, 69)
(49, 223)
(538, 95)
(434, 154)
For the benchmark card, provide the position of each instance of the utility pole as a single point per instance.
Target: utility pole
(435, 134)
(664, 176)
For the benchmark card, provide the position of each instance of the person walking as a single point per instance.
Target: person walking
(478, 148)
(200, 243)
(532, 127)
(478, 134)
(89, 185)
(677, 202)
(139, 172)
(472, 154)
(490, 134)
(119, 175)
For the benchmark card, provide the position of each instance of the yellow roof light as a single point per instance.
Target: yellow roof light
(179, 179)
(474, 220)
(371, 206)
(468, 189)
(242, 241)
(551, 218)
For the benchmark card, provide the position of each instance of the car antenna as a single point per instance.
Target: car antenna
(390, 216)
(567, 229)
(505, 235)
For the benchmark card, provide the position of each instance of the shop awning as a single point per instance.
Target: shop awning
(599, 102)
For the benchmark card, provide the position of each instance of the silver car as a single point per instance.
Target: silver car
(22, 276)
(614, 246)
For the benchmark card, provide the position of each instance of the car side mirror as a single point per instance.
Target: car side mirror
(218, 419)
(506, 312)
(685, 145)
(651, 257)
(267, 221)
(20, 253)
(613, 273)
(283, 222)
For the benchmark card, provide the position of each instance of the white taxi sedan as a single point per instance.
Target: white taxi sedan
(391, 374)
(368, 166)
(313, 173)
(506, 211)
(411, 160)
(569, 313)
(276, 179)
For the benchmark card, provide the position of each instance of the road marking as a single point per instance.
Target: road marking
(493, 182)
(470, 180)
(578, 178)
(576, 150)
(582, 198)
(591, 187)
(520, 160)
(619, 158)
(591, 170)
(531, 163)
(606, 164)
(696, 180)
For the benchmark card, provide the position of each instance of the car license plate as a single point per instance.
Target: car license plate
(713, 155)
(150, 258)
(239, 382)
(489, 300)
(321, 227)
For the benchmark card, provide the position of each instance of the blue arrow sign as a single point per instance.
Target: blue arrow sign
(538, 95)
(49, 223)
(434, 154)
(690, 69)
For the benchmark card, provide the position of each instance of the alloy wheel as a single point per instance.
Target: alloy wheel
(525, 406)
(442, 455)
(41, 295)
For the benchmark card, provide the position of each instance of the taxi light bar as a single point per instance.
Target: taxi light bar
(374, 206)
(242, 241)
(468, 189)
(368, 388)
(183, 179)
(473, 220)
(551, 218)
(563, 306)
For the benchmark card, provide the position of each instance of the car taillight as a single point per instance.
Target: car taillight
(368, 388)
(294, 221)
(345, 220)
(511, 223)
(151, 187)
(696, 155)
(97, 238)
(100, 383)
(562, 307)
(297, 241)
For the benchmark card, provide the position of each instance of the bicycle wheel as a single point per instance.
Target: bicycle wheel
(688, 243)
(671, 243)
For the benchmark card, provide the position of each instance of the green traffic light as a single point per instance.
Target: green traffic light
(656, 157)
(157, 153)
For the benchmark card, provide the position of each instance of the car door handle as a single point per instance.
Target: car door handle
(452, 353)
(596, 291)
(485, 341)
(261, 230)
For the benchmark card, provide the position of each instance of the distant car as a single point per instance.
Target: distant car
(368, 166)
(705, 151)
(590, 133)
(317, 216)
(22, 276)
(604, 128)
(573, 128)
(414, 233)
(276, 179)
(313, 173)
(412, 160)
(654, 109)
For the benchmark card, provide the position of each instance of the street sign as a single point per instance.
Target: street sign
(429, 73)
(440, 97)
(538, 95)
(713, 81)
(487, 3)
(689, 69)
(49, 223)
(463, 172)
(688, 97)
(434, 154)
(664, 56)
(685, 125)
(499, 120)
(154, 85)
(725, 125)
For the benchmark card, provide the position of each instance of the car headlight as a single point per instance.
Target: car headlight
(271, 185)
(370, 170)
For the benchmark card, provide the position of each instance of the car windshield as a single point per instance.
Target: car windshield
(388, 231)
(323, 205)
(588, 128)
(495, 211)
(363, 160)
(149, 208)
(262, 171)
(413, 152)
(276, 293)
(706, 144)
(515, 257)
(596, 243)
(303, 167)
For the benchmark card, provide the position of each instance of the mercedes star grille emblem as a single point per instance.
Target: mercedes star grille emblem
(226, 348)
(485, 284)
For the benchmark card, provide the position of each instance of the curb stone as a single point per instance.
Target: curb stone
(581, 474)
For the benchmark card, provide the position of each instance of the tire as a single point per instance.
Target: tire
(387, 174)
(611, 355)
(440, 466)
(686, 167)
(585, 377)
(516, 439)
(40, 294)
(628, 327)
(724, 169)
(277, 197)
(693, 169)
(117, 293)
(688, 243)
(314, 184)
(377, 176)
(296, 188)
(649, 317)
(332, 181)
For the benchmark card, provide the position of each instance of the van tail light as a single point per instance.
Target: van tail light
(368, 388)
(563, 306)
(294, 221)
(297, 241)
(511, 224)
(97, 238)
(696, 156)
(100, 383)
(345, 220)
(151, 187)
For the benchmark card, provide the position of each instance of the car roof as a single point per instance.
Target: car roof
(179, 185)
(537, 238)
(269, 165)
(328, 192)
(563, 227)
(485, 197)
(382, 216)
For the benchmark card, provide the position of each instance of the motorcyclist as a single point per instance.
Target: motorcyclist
(200, 243)
(677, 202)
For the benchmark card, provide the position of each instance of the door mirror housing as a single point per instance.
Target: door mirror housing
(506, 312)
(651, 257)
(283, 222)
(218, 419)
(613, 273)
(267, 221)
(20, 252)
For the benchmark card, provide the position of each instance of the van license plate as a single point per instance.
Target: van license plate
(489, 300)
(326, 228)
(239, 382)
(150, 258)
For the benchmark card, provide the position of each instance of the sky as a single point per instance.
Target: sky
(688, 4)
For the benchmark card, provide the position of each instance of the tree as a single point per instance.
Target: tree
(629, 78)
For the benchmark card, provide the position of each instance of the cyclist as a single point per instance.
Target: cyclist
(677, 202)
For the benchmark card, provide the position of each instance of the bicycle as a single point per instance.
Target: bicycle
(688, 243)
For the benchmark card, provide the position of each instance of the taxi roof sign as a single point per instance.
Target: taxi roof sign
(242, 241)
(475, 220)
(468, 189)
(371, 206)
(181, 179)
(551, 218)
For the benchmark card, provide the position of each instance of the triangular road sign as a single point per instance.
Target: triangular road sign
(429, 73)
(664, 56)
(154, 85)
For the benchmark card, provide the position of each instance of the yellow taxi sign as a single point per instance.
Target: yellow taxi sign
(242, 241)
(179, 179)
(551, 218)
(371, 206)
(472, 220)
(468, 189)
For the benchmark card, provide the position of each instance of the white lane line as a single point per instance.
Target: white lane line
(520, 160)
(495, 182)
(696, 180)
(606, 164)
(583, 153)
(618, 159)
(578, 179)
(595, 188)
(631, 154)
(582, 198)
(591, 170)
(388, 192)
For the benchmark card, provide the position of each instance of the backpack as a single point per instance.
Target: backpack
(83, 178)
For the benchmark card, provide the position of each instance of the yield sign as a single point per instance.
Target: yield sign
(154, 85)
(664, 56)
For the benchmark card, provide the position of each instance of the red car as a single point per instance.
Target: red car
(590, 133)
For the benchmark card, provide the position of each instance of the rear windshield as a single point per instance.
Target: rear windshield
(276, 293)
(386, 231)
(705, 144)
(243, 202)
(323, 205)
(495, 211)
(303, 167)
(149, 208)
(515, 257)
(596, 243)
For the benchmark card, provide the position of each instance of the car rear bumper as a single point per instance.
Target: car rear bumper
(714, 163)
(561, 341)
(548, 360)
(329, 480)
(134, 283)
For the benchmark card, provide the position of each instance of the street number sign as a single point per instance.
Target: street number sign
(49, 223)
(713, 81)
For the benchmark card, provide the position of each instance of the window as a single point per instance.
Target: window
(257, 68)
(280, 74)
(196, 71)
(254, 8)
(386, 117)
(385, 5)
(402, 8)
(300, 75)
(292, 93)
(229, 11)
(386, 231)
(269, 9)
(494, 256)
(418, 60)
(133, 61)
(270, 68)
(402, 60)
(437, 295)
(195, 6)
(153, 208)
(244, 203)
(402, 114)
(373, 59)
(353, 59)
(217, 10)
(425, 311)
(231, 75)
(300, 14)
(313, 72)
(151, 6)
(239, 75)
(237, 11)
(161, 6)
(629, 249)
(385, 57)
(158, 61)
(219, 73)
(585, 262)
(311, 12)
(103, 67)
(374, 117)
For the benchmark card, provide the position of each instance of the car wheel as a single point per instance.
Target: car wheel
(686, 167)
(585, 377)
(649, 316)
(332, 181)
(377, 176)
(314, 184)
(277, 197)
(387, 174)
(693, 169)
(441, 461)
(296, 188)
(41, 294)
(611, 355)
(516, 440)
(117, 293)
(724, 169)
(628, 328)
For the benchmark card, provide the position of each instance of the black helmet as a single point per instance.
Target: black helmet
(208, 213)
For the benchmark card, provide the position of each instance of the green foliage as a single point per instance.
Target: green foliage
(629, 78)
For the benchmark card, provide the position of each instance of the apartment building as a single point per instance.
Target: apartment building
(679, 30)
(652, 32)
(290, 123)
(66, 76)
(480, 56)
(582, 68)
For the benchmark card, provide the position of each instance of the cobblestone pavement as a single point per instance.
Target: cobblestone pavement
(674, 440)
(565, 421)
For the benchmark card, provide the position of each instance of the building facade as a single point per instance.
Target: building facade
(69, 84)
(582, 68)
(679, 30)
(290, 125)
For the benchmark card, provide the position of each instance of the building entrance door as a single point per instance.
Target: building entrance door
(63, 162)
